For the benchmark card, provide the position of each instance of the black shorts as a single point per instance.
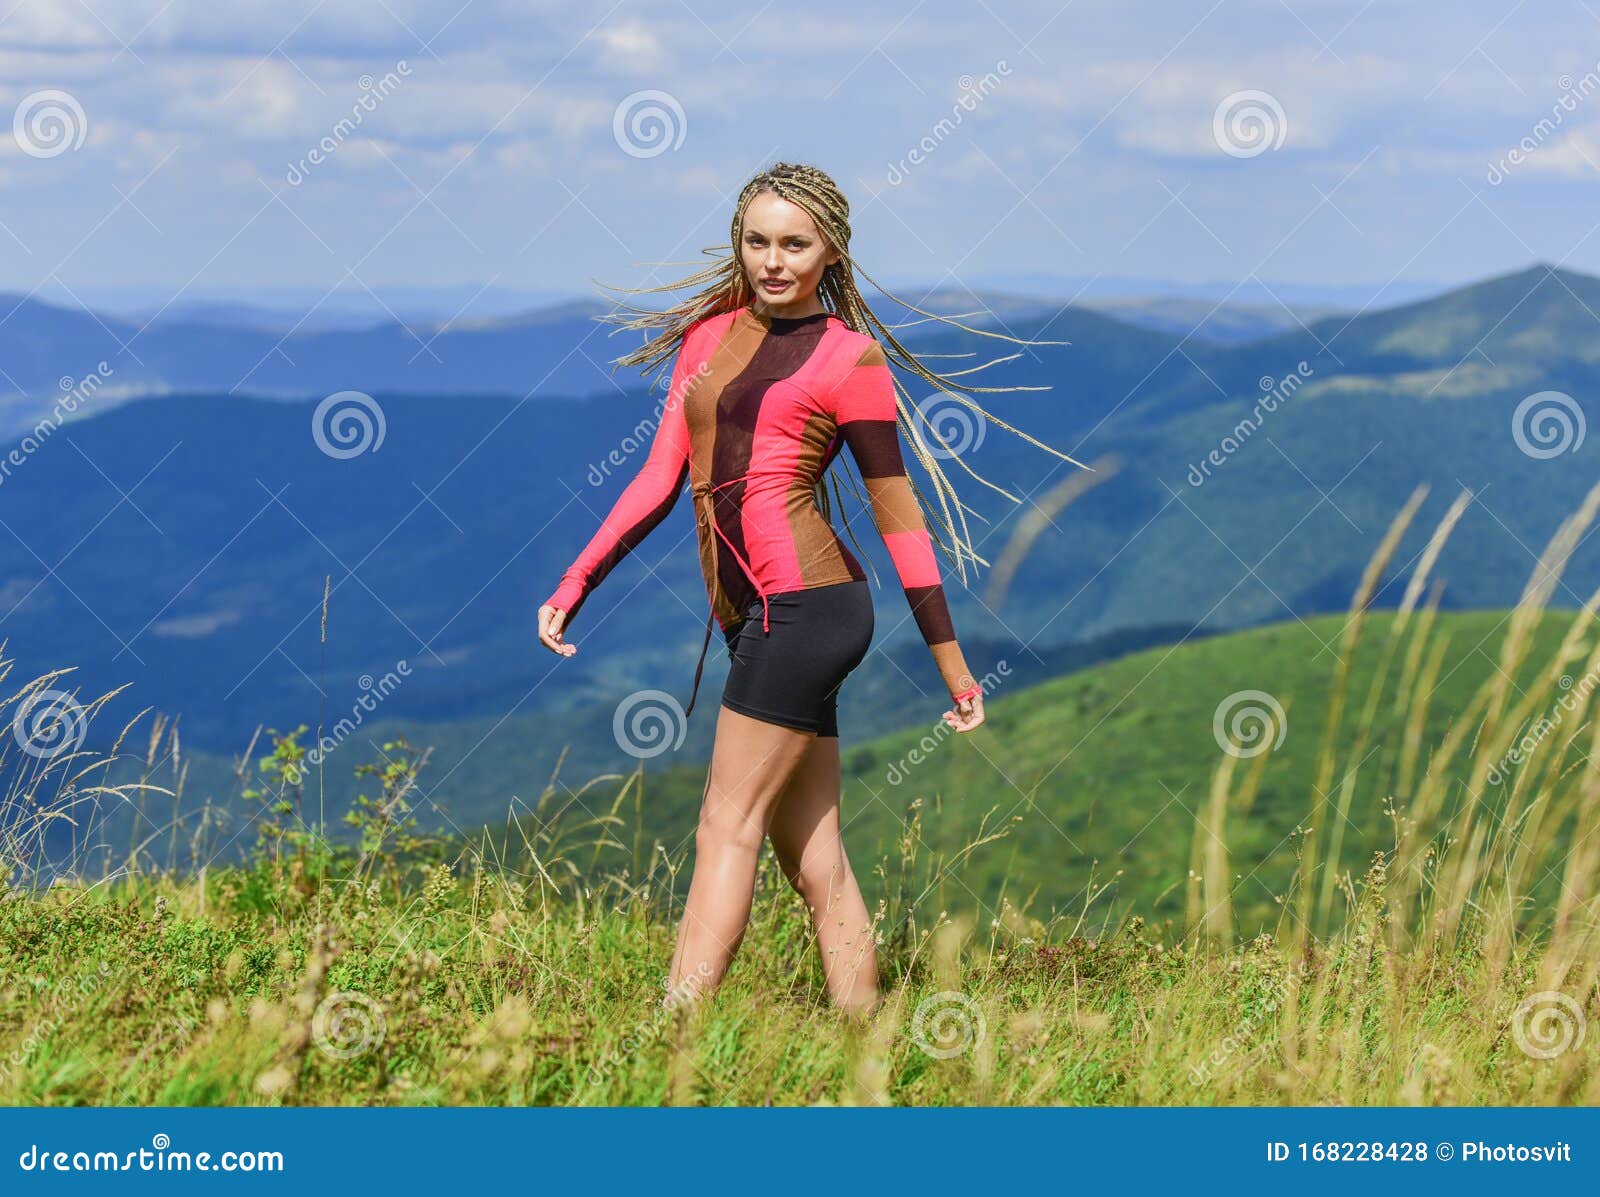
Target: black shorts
(791, 674)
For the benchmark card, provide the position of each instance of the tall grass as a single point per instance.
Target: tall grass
(1456, 965)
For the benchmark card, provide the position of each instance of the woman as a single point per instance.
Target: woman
(774, 373)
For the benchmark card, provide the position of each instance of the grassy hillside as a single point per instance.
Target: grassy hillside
(1092, 783)
(490, 988)
(183, 544)
(1091, 789)
(481, 768)
(1099, 778)
(1452, 961)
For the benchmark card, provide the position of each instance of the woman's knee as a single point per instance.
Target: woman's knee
(727, 830)
(818, 880)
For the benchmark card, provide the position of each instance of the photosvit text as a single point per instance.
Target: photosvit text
(1468, 1151)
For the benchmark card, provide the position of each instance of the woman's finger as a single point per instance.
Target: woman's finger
(968, 714)
(550, 621)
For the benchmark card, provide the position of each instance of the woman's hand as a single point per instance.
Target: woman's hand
(550, 621)
(967, 715)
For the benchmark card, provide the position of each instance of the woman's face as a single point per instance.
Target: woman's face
(781, 243)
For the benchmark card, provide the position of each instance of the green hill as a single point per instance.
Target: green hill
(1095, 778)
(1100, 776)
(182, 544)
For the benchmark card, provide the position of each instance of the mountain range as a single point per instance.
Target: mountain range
(182, 543)
(286, 353)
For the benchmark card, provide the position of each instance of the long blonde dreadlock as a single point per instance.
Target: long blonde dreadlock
(724, 287)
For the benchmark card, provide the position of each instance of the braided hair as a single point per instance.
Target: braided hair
(723, 286)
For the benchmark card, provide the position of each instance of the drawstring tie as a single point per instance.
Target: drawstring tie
(703, 490)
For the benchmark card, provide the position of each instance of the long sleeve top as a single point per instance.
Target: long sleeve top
(757, 409)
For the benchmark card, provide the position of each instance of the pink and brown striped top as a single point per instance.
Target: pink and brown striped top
(757, 409)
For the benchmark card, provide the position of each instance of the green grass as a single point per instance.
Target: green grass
(1108, 769)
(1453, 962)
(494, 990)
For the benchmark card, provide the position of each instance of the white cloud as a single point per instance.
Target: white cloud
(521, 157)
(1168, 111)
(1576, 154)
(256, 100)
(629, 47)
(516, 94)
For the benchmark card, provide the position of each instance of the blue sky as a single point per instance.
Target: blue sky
(978, 141)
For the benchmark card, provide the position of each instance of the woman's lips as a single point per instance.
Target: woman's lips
(769, 286)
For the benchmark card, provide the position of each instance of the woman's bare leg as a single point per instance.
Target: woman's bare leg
(805, 833)
(750, 763)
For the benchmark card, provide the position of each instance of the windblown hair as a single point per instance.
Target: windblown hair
(724, 287)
